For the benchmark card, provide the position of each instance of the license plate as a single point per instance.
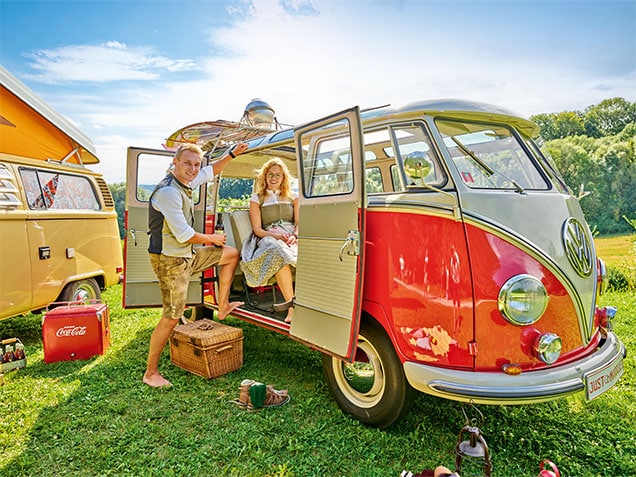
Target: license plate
(599, 381)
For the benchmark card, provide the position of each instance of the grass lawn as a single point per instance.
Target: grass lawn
(616, 249)
(95, 417)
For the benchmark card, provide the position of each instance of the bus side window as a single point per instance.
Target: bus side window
(72, 192)
(330, 171)
(418, 157)
(49, 190)
(374, 180)
(395, 177)
(31, 188)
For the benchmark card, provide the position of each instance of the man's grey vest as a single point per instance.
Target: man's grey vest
(161, 238)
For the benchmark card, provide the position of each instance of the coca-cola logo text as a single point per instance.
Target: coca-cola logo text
(71, 330)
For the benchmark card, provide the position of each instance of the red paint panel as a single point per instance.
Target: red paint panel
(494, 261)
(417, 271)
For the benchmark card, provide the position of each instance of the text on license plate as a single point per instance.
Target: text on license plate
(597, 382)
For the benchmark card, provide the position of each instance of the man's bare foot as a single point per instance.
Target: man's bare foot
(228, 309)
(156, 381)
(290, 313)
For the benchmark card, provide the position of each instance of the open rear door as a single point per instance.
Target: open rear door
(145, 168)
(331, 228)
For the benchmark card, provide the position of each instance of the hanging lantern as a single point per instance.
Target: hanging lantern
(471, 446)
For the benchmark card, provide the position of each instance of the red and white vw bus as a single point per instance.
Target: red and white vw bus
(439, 251)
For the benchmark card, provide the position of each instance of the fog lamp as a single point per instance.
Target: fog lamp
(548, 348)
(522, 300)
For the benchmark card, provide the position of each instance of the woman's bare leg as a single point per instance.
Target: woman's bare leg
(285, 281)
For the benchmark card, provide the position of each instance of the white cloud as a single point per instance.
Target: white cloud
(112, 61)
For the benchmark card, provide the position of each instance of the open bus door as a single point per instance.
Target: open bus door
(329, 271)
(145, 168)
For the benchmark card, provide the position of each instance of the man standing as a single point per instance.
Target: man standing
(173, 258)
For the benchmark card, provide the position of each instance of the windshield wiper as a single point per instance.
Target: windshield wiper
(485, 166)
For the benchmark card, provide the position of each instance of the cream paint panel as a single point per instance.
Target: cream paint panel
(141, 283)
(15, 277)
(329, 321)
(324, 284)
(323, 336)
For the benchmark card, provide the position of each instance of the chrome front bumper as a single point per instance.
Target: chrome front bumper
(527, 387)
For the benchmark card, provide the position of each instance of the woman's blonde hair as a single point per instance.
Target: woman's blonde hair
(260, 185)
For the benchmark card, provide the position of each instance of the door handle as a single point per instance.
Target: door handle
(351, 244)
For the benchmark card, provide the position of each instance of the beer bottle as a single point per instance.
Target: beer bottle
(19, 351)
(219, 228)
(8, 353)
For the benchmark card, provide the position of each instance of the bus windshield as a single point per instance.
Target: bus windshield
(489, 156)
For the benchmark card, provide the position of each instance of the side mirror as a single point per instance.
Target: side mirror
(417, 166)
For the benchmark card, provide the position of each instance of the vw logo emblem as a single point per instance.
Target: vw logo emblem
(578, 247)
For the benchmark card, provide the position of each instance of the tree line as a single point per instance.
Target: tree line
(594, 149)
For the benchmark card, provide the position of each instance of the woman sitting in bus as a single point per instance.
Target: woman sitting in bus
(272, 248)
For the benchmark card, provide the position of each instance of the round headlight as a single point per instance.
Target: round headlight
(522, 300)
(548, 348)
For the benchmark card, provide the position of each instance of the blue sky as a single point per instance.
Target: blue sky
(132, 72)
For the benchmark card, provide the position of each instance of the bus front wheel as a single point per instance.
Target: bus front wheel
(372, 389)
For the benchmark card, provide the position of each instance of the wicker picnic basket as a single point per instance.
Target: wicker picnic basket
(207, 348)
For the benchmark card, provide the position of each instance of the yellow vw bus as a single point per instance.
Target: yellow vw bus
(59, 238)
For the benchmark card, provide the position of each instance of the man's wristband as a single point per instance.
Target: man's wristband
(231, 154)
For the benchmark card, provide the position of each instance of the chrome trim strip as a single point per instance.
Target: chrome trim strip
(498, 388)
(410, 206)
(516, 393)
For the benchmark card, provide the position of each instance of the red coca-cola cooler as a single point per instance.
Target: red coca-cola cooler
(75, 330)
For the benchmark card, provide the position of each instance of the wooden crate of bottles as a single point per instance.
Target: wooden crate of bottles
(12, 355)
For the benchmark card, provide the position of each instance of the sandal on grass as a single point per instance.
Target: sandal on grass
(274, 397)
